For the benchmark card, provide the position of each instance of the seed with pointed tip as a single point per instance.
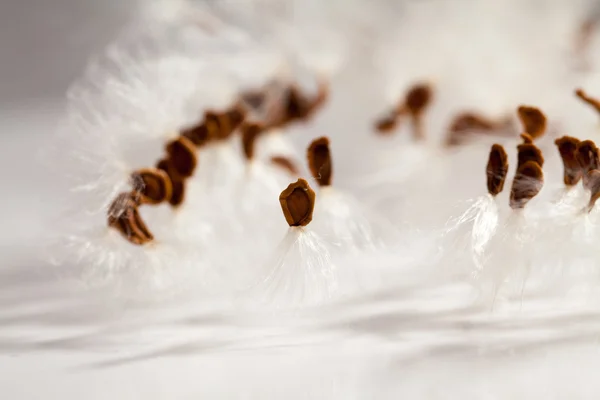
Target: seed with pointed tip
(319, 161)
(285, 163)
(250, 132)
(587, 99)
(297, 203)
(496, 170)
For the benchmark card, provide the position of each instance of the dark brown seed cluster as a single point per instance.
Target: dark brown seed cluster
(167, 181)
(496, 170)
(415, 103)
(297, 202)
(319, 161)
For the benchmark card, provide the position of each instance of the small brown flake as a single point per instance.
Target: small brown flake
(297, 203)
(285, 163)
(417, 99)
(250, 132)
(496, 170)
(587, 99)
(319, 161)
(387, 124)
(594, 186)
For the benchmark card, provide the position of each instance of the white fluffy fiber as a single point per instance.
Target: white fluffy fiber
(398, 211)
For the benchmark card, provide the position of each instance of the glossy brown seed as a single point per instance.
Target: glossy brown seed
(567, 147)
(123, 215)
(594, 186)
(182, 156)
(533, 121)
(177, 182)
(496, 170)
(250, 132)
(528, 182)
(152, 185)
(297, 203)
(529, 152)
(587, 99)
(285, 163)
(198, 135)
(319, 161)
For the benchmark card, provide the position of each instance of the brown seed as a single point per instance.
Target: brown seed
(418, 98)
(387, 123)
(588, 158)
(594, 186)
(533, 121)
(123, 215)
(212, 123)
(198, 134)
(297, 203)
(567, 147)
(527, 183)
(182, 156)
(153, 185)
(587, 99)
(250, 132)
(177, 182)
(469, 122)
(319, 161)
(529, 152)
(496, 170)
(286, 164)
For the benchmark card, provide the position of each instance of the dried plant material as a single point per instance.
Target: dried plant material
(527, 183)
(469, 122)
(587, 99)
(297, 203)
(527, 139)
(387, 124)
(199, 134)
(496, 170)
(250, 132)
(533, 121)
(177, 182)
(529, 152)
(594, 186)
(152, 185)
(285, 163)
(319, 161)
(182, 156)
(416, 101)
(123, 215)
(567, 147)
